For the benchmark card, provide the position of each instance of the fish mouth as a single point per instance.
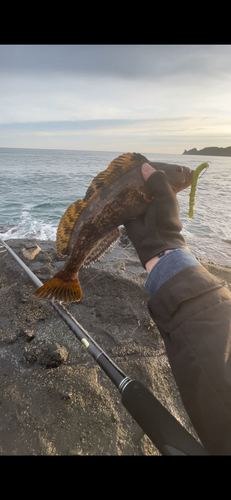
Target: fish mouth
(180, 186)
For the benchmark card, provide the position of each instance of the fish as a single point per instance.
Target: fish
(90, 226)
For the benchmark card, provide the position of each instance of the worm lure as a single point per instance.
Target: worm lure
(192, 193)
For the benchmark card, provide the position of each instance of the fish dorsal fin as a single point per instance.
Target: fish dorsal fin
(66, 225)
(102, 247)
(116, 168)
(121, 164)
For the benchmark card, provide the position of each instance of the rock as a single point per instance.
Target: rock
(27, 334)
(31, 250)
(124, 240)
(76, 451)
(45, 353)
(55, 399)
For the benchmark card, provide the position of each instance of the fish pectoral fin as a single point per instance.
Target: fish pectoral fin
(142, 190)
(60, 289)
(66, 226)
(103, 246)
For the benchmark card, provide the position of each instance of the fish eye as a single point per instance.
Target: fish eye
(179, 169)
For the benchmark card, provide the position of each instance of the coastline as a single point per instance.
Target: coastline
(55, 399)
(209, 151)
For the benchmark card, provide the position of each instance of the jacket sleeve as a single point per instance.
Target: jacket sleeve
(192, 310)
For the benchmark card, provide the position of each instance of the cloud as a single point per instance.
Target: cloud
(62, 95)
(126, 61)
(174, 134)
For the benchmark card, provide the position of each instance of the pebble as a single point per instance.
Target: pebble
(30, 251)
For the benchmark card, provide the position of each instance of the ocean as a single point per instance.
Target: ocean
(37, 185)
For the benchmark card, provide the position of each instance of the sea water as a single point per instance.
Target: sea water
(37, 186)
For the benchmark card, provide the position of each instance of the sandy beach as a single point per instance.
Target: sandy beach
(54, 399)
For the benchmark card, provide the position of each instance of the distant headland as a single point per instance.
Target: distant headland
(210, 151)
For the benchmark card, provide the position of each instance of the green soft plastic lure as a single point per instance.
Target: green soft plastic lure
(192, 193)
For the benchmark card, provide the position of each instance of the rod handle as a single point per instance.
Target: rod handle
(166, 433)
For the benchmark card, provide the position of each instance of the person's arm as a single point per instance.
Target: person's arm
(192, 310)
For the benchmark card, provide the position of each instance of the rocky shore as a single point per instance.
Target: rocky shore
(54, 399)
(209, 151)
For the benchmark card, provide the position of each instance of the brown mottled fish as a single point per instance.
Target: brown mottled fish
(90, 226)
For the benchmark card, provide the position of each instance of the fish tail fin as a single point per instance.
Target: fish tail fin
(61, 289)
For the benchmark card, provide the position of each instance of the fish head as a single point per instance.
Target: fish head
(178, 176)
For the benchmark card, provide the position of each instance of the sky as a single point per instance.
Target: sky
(143, 98)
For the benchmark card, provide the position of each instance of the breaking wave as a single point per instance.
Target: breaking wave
(27, 227)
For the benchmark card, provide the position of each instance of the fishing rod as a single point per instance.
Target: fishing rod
(166, 433)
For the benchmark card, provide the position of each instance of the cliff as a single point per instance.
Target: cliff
(210, 151)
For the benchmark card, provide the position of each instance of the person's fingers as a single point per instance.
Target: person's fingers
(157, 185)
(157, 182)
(165, 205)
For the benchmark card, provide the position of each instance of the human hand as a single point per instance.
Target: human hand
(158, 230)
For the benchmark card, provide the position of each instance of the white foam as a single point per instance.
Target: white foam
(36, 230)
(29, 228)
